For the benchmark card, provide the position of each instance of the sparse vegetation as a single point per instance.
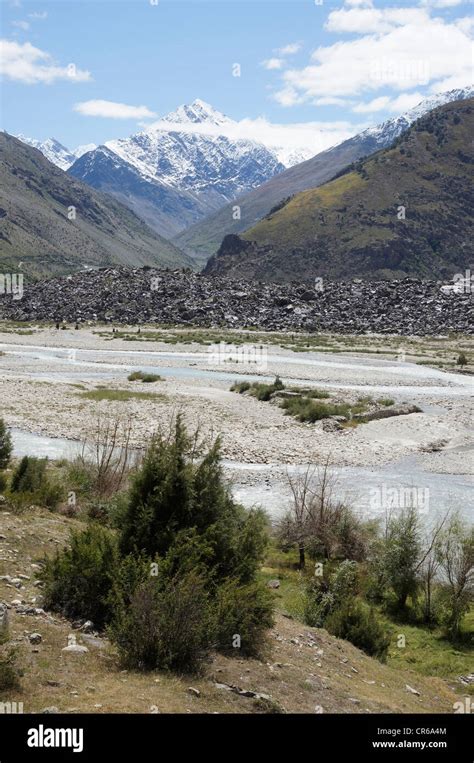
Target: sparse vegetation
(146, 378)
(9, 669)
(119, 395)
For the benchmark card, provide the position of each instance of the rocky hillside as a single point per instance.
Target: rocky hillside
(306, 671)
(203, 239)
(175, 297)
(405, 211)
(35, 229)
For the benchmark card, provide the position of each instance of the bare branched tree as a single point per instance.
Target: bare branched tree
(429, 565)
(314, 515)
(109, 453)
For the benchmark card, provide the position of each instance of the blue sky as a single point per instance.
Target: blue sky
(334, 67)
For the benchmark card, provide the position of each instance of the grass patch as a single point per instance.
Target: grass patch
(427, 652)
(119, 395)
(306, 409)
(144, 377)
(261, 391)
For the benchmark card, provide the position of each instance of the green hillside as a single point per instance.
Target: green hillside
(35, 228)
(355, 225)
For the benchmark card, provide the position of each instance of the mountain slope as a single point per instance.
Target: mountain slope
(174, 174)
(161, 206)
(34, 227)
(204, 238)
(350, 226)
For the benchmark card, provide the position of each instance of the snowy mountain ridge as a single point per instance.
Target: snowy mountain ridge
(53, 150)
(387, 131)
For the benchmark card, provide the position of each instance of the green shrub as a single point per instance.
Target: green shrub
(165, 627)
(9, 671)
(356, 622)
(259, 390)
(179, 515)
(6, 446)
(30, 484)
(172, 493)
(318, 604)
(81, 476)
(29, 475)
(144, 377)
(78, 579)
(240, 387)
(326, 594)
(50, 494)
(244, 614)
(3, 482)
(306, 409)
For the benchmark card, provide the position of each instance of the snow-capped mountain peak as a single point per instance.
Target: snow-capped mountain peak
(52, 149)
(55, 152)
(198, 112)
(187, 150)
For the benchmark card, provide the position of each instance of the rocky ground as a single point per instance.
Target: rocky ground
(407, 307)
(306, 670)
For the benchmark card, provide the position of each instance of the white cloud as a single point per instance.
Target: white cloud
(273, 63)
(289, 50)
(377, 104)
(441, 3)
(465, 24)
(21, 25)
(398, 105)
(373, 20)
(309, 138)
(359, 3)
(395, 48)
(38, 15)
(112, 110)
(330, 101)
(23, 62)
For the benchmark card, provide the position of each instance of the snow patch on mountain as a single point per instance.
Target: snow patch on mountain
(52, 149)
(388, 131)
(55, 152)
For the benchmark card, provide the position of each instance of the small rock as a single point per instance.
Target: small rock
(75, 649)
(273, 583)
(49, 710)
(412, 690)
(193, 691)
(35, 638)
